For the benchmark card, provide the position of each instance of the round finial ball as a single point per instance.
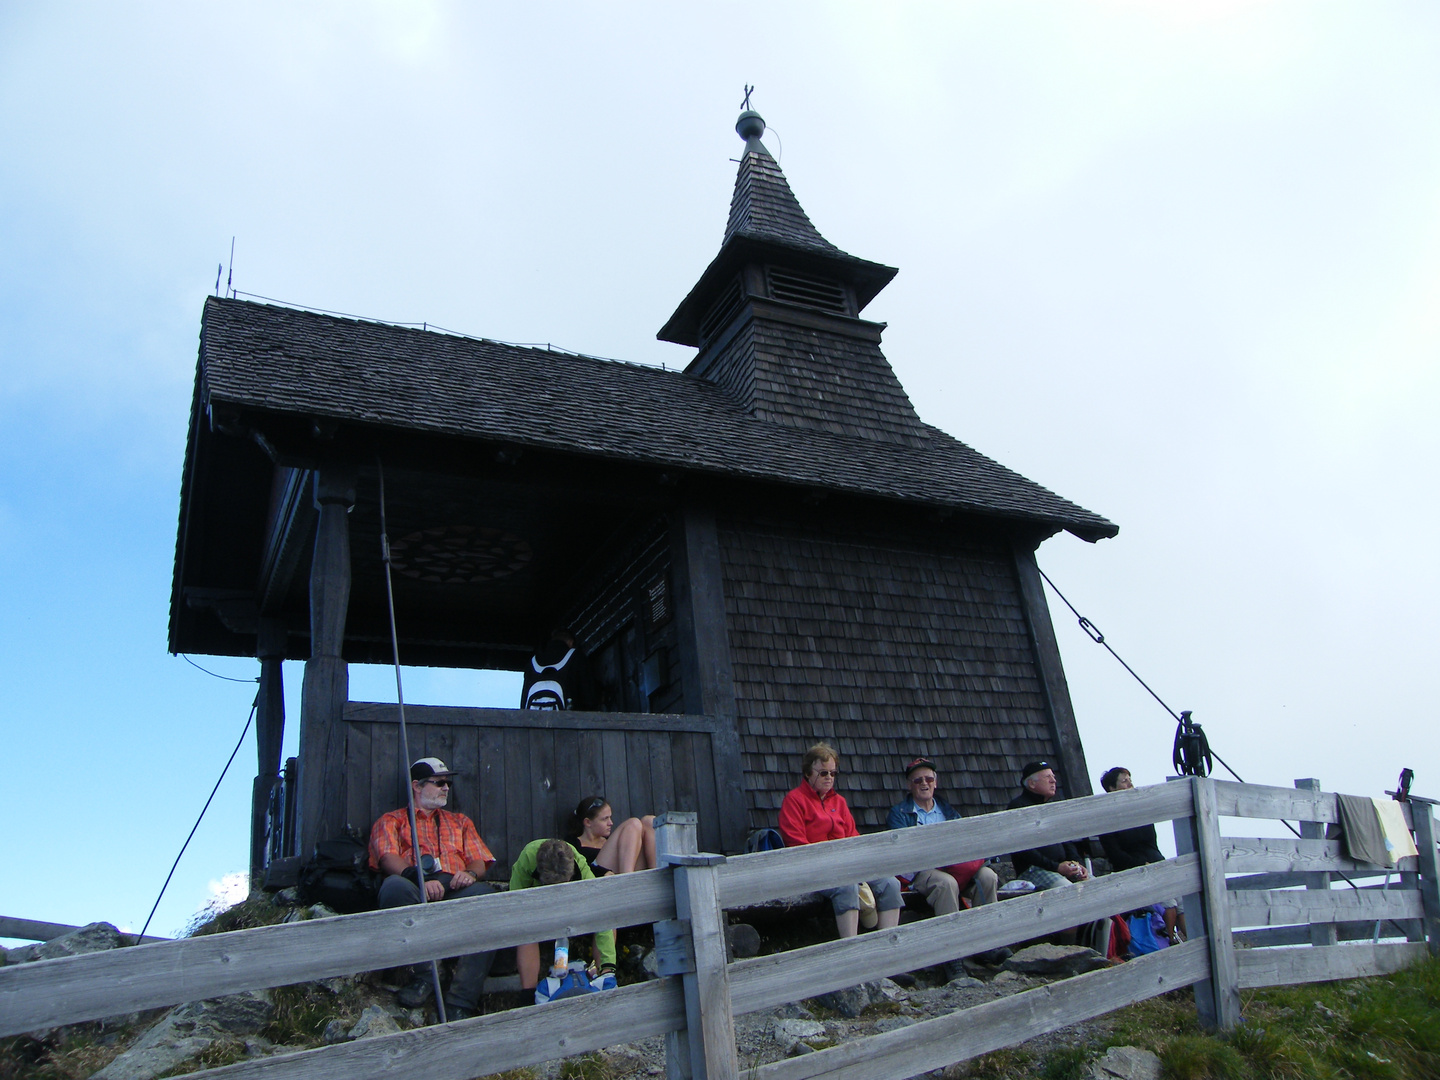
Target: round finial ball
(750, 125)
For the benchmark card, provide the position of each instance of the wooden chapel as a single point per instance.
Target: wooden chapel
(766, 549)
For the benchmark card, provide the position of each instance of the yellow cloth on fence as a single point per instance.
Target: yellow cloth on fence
(1397, 835)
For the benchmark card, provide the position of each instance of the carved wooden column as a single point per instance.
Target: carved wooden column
(269, 736)
(327, 679)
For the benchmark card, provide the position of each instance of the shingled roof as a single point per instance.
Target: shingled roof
(271, 359)
(764, 207)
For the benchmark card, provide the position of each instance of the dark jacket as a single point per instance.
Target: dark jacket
(1048, 857)
(904, 814)
(1130, 848)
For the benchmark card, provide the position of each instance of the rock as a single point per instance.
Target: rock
(893, 1023)
(187, 1030)
(742, 940)
(793, 1010)
(374, 1021)
(1126, 1063)
(850, 1002)
(788, 1032)
(287, 897)
(96, 937)
(334, 1032)
(258, 1047)
(795, 1049)
(885, 990)
(965, 982)
(336, 985)
(1047, 959)
(651, 963)
(1329, 1014)
(320, 911)
(1008, 978)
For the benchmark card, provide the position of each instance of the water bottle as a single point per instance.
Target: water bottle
(562, 958)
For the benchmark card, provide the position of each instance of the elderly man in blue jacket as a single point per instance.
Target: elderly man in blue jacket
(942, 887)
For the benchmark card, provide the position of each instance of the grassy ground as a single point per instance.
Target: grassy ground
(1385, 1028)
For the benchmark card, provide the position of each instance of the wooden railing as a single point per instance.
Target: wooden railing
(695, 1003)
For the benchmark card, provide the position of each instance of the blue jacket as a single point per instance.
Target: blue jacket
(904, 814)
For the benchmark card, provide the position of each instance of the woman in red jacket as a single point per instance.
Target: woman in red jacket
(813, 812)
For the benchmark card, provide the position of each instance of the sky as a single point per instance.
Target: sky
(1178, 262)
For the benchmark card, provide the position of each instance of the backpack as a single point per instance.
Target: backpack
(576, 983)
(547, 694)
(338, 875)
(764, 840)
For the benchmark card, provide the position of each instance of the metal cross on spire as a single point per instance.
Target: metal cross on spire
(746, 103)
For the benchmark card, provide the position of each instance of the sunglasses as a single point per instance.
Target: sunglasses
(593, 805)
(926, 780)
(438, 783)
(827, 772)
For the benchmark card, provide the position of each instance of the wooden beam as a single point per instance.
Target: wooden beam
(1215, 899)
(704, 646)
(1429, 868)
(326, 688)
(1286, 967)
(767, 981)
(370, 712)
(35, 930)
(1323, 908)
(1075, 775)
(1248, 854)
(498, 1043)
(269, 737)
(1267, 936)
(749, 879)
(75, 988)
(1321, 932)
(288, 528)
(968, 1033)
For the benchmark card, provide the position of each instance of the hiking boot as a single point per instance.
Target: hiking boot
(416, 992)
(455, 1012)
(954, 969)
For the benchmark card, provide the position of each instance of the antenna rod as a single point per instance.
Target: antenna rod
(404, 737)
(230, 277)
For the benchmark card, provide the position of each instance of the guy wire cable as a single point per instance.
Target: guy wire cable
(1093, 633)
(243, 732)
(404, 737)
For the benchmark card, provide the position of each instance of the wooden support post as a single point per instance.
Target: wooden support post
(704, 642)
(1074, 774)
(326, 688)
(709, 1036)
(1424, 821)
(1320, 933)
(269, 737)
(1207, 913)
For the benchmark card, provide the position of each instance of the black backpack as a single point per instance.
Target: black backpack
(338, 875)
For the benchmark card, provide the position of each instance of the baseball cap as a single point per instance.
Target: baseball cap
(1034, 767)
(427, 767)
(919, 763)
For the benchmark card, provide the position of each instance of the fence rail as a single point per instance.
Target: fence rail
(1275, 904)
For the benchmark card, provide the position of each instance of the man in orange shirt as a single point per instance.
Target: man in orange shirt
(454, 859)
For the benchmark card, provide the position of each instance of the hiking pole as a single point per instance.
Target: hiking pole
(404, 738)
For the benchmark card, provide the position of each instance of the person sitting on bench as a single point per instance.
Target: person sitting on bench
(552, 862)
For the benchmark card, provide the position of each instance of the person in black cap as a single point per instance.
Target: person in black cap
(943, 886)
(1051, 865)
(454, 859)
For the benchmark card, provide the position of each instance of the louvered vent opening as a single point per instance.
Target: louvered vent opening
(723, 311)
(812, 292)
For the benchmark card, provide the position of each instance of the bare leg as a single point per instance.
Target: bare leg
(527, 962)
(848, 922)
(622, 851)
(887, 919)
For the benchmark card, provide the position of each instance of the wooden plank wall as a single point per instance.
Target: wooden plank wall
(523, 772)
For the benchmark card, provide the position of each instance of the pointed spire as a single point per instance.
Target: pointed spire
(763, 206)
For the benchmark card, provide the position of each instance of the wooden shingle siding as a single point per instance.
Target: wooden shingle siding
(887, 648)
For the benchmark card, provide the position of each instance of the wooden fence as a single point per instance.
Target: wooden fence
(695, 1003)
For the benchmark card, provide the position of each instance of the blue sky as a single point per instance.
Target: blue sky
(1178, 262)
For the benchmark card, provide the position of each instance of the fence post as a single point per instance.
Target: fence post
(694, 948)
(1207, 913)
(1320, 933)
(1424, 821)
